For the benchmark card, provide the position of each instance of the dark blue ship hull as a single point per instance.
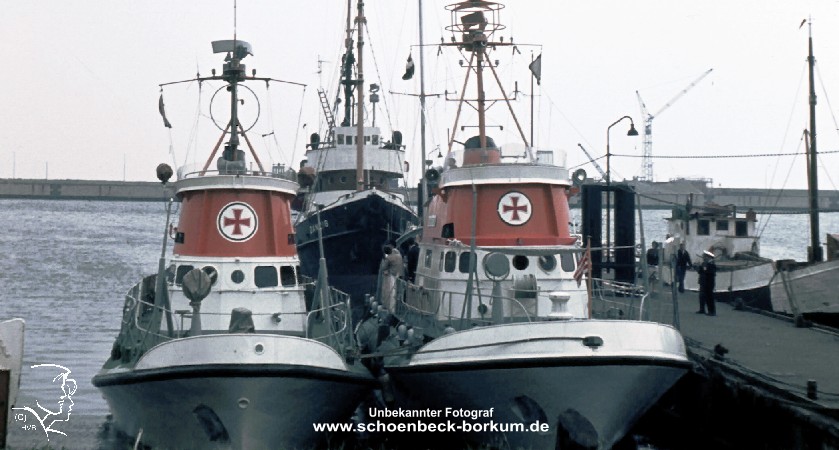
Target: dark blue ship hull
(354, 234)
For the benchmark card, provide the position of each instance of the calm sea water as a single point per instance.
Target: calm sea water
(66, 266)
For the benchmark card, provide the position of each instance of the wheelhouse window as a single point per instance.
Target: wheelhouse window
(451, 260)
(703, 227)
(741, 228)
(375, 139)
(463, 264)
(265, 276)
(340, 139)
(427, 260)
(722, 225)
(179, 274)
(566, 261)
(287, 276)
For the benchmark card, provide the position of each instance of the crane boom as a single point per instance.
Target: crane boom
(596, 166)
(647, 161)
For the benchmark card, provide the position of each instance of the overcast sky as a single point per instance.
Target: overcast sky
(81, 82)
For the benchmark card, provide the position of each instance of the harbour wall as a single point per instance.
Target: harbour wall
(664, 195)
(82, 190)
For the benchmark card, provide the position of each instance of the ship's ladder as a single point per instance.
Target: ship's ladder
(327, 113)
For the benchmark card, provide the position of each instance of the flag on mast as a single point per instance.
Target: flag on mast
(536, 68)
(583, 266)
(163, 112)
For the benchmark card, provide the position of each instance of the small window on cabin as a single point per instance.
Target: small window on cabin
(722, 225)
(265, 276)
(448, 231)
(520, 262)
(212, 273)
(463, 265)
(340, 139)
(703, 227)
(343, 179)
(299, 274)
(440, 264)
(366, 139)
(427, 260)
(237, 276)
(547, 263)
(179, 274)
(566, 261)
(741, 228)
(375, 139)
(349, 140)
(287, 276)
(451, 259)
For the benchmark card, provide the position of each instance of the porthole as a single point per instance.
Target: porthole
(237, 276)
(547, 262)
(520, 262)
(212, 273)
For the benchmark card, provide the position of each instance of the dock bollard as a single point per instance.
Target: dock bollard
(812, 389)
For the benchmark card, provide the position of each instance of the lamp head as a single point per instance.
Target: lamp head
(632, 131)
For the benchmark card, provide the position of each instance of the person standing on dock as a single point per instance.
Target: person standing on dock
(707, 279)
(682, 264)
(393, 269)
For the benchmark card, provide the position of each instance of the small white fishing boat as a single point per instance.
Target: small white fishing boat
(743, 275)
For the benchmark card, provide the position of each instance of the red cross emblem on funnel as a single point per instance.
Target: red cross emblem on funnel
(237, 222)
(515, 208)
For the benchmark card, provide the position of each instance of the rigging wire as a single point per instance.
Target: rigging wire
(781, 191)
(297, 128)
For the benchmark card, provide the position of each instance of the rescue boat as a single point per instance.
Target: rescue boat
(223, 348)
(495, 319)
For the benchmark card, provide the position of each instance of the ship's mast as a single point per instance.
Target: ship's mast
(474, 26)
(359, 136)
(815, 253)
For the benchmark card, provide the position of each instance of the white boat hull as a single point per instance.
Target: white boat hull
(538, 371)
(813, 289)
(748, 283)
(240, 391)
(11, 357)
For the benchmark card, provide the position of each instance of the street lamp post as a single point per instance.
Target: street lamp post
(632, 132)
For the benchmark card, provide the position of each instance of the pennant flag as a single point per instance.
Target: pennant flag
(409, 69)
(584, 266)
(163, 112)
(536, 68)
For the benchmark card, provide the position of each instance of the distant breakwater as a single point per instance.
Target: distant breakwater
(83, 190)
(652, 195)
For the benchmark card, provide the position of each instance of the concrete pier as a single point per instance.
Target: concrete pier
(758, 381)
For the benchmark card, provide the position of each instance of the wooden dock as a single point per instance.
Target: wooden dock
(758, 381)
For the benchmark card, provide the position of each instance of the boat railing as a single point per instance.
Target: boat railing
(435, 306)
(197, 170)
(617, 300)
(338, 312)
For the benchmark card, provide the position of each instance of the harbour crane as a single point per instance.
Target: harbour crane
(593, 161)
(647, 160)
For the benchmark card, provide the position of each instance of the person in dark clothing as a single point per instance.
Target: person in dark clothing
(652, 255)
(682, 264)
(707, 279)
(413, 260)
